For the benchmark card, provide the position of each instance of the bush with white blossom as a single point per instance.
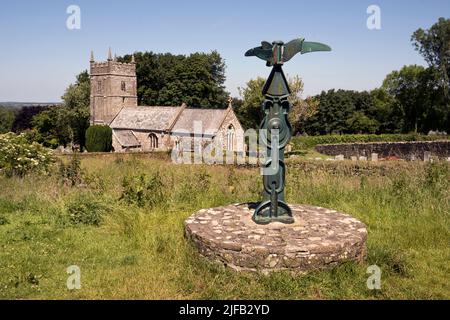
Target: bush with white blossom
(19, 157)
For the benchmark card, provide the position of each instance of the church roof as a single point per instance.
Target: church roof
(145, 118)
(174, 119)
(127, 138)
(211, 120)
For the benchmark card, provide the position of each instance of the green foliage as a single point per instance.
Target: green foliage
(414, 88)
(309, 142)
(167, 79)
(437, 176)
(67, 123)
(346, 111)
(250, 113)
(99, 138)
(52, 127)
(403, 204)
(6, 119)
(360, 123)
(24, 117)
(3, 220)
(70, 173)
(143, 190)
(434, 45)
(86, 210)
(76, 101)
(19, 157)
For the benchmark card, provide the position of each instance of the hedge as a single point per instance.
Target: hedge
(99, 138)
(309, 142)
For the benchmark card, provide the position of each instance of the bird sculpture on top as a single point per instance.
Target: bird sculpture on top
(278, 53)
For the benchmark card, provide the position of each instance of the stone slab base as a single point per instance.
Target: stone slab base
(318, 238)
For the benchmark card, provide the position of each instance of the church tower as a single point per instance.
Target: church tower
(113, 86)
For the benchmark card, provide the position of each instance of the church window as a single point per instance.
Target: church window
(230, 138)
(123, 86)
(99, 86)
(153, 141)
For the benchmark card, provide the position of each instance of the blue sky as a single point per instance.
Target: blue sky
(39, 56)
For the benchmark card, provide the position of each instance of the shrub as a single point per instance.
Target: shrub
(309, 142)
(3, 220)
(99, 138)
(85, 209)
(142, 190)
(19, 157)
(71, 173)
(437, 175)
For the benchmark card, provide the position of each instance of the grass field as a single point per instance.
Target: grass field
(125, 230)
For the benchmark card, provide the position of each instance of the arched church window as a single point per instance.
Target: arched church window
(230, 138)
(153, 141)
(99, 86)
(123, 86)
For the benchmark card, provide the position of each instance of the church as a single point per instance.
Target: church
(113, 102)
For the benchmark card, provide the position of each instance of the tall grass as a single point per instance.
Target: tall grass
(136, 249)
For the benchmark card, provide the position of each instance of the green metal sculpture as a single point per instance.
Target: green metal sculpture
(276, 129)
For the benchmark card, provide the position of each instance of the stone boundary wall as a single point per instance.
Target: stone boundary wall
(404, 150)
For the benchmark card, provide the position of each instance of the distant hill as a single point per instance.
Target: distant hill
(19, 105)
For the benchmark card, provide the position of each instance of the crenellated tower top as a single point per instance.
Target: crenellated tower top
(112, 66)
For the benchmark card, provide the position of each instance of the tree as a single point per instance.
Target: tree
(434, 45)
(61, 125)
(53, 127)
(76, 103)
(361, 123)
(24, 117)
(167, 79)
(302, 109)
(250, 113)
(99, 138)
(413, 87)
(333, 112)
(387, 111)
(6, 119)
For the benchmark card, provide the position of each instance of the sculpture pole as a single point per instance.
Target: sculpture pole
(275, 128)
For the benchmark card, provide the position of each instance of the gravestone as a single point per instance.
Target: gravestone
(374, 157)
(272, 235)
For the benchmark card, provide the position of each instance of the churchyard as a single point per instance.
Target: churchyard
(120, 218)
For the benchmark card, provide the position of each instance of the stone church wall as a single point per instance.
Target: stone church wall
(238, 143)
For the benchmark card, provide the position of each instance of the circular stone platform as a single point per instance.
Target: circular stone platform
(317, 239)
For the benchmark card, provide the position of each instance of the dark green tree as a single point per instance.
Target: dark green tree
(61, 125)
(387, 111)
(52, 127)
(334, 111)
(76, 103)
(434, 45)
(414, 88)
(6, 119)
(99, 138)
(167, 79)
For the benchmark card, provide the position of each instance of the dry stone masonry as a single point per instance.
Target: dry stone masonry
(403, 150)
(318, 239)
